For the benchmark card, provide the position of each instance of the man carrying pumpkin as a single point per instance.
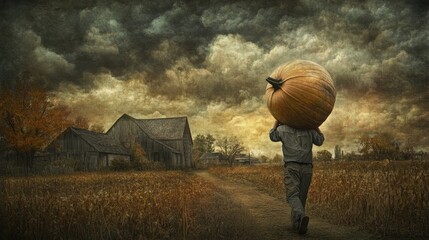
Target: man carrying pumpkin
(297, 145)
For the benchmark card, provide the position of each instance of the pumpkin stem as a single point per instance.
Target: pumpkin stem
(276, 83)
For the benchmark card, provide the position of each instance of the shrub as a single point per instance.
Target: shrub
(140, 162)
(120, 165)
(60, 166)
(324, 155)
(146, 164)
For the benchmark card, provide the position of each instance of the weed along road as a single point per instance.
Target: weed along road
(273, 215)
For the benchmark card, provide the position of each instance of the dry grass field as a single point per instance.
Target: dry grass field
(130, 205)
(386, 198)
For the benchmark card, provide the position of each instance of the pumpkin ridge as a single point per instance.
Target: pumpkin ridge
(323, 75)
(326, 82)
(310, 121)
(311, 86)
(304, 105)
(299, 112)
(270, 98)
(305, 124)
(321, 107)
(287, 104)
(325, 78)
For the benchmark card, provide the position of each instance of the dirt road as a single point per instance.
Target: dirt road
(273, 215)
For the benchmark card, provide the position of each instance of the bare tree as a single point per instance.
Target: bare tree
(230, 147)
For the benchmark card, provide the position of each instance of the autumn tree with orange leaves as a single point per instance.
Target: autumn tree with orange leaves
(28, 119)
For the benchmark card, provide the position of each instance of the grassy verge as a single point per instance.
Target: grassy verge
(387, 198)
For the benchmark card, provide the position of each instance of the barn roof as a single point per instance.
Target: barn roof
(164, 128)
(100, 141)
(147, 129)
(160, 129)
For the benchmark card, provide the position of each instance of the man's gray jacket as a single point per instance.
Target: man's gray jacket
(297, 143)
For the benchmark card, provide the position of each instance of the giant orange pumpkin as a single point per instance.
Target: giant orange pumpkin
(300, 94)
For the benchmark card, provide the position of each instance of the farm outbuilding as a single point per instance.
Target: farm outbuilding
(91, 150)
(244, 159)
(213, 158)
(167, 140)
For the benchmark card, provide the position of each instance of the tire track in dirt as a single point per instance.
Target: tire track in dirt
(273, 215)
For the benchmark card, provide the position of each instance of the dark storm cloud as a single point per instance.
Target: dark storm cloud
(220, 52)
(121, 37)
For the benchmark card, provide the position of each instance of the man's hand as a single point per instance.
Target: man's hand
(276, 124)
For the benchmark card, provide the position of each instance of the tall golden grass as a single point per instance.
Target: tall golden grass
(132, 205)
(384, 197)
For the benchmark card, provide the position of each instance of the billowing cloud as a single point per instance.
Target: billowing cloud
(209, 61)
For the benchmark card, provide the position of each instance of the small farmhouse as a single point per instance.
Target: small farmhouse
(217, 158)
(243, 159)
(89, 149)
(167, 140)
(213, 158)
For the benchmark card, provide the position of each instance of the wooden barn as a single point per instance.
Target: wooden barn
(167, 140)
(89, 149)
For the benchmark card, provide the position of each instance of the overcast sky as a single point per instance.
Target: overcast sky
(208, 60)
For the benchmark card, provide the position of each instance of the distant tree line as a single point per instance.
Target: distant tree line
(375, 147)
(371, 147)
